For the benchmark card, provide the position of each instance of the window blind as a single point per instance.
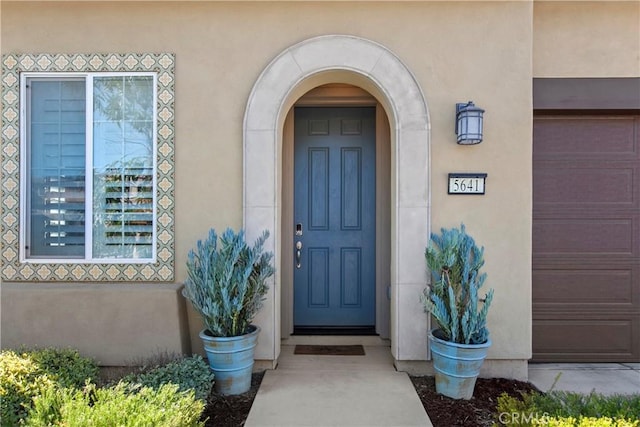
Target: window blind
(57, 157)
(126, 224)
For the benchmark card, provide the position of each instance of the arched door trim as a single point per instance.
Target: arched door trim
(353, 60)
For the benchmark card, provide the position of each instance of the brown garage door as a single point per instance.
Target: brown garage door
(586, 238)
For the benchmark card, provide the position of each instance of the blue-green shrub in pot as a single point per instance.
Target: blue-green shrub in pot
(226, 285)
(460, 342)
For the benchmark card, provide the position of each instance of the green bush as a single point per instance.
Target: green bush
(588, 422)
(25, 374)
(54, 387)
(20, 381)
(189, 373)
(116, 406)
(66, 366)
(594, 405)
(565, 409)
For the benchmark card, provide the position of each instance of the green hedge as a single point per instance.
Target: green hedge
(56, 387)
(189, 373)
(566, 409)
(589, 422)
(117, 405)
(26, 374)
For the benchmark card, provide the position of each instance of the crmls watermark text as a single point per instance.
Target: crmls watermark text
(523, 418)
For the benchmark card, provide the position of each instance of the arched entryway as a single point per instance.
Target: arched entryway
(366, 64)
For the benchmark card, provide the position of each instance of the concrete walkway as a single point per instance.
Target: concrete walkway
(337, 391)
(603, 378)
(367, 390)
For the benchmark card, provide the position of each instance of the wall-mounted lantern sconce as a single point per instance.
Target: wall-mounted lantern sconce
(469, 123)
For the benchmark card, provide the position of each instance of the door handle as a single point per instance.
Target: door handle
(298, 253)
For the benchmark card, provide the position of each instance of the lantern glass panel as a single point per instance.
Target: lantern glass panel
(469, 124)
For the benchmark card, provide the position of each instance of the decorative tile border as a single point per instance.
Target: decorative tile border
(11, 267)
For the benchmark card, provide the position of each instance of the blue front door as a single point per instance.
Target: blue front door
(334, 218)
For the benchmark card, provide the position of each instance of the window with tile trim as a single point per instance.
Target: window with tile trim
(87, 167)
(96, 123)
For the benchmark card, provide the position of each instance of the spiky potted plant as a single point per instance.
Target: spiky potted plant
(460, 342)
(226, 285)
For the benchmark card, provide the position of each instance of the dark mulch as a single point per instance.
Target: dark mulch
(478, 411)
(231, 411)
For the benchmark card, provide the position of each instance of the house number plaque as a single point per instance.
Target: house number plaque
(467, 183)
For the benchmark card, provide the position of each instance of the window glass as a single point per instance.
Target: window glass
(123, 167)
(57, 156)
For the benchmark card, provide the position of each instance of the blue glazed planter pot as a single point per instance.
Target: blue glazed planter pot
(231, 360)
(456, 365)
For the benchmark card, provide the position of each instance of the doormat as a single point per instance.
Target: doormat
(330, 350)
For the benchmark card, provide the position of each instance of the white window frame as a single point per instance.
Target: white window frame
(25, 172)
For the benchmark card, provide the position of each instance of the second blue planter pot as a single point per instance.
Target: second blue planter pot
(456, 366)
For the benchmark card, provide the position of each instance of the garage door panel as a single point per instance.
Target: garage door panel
(595, 339)
(578, 288)
(585, 137)
(585, 236)
(560, 186)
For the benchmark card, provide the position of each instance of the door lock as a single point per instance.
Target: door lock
(298, 253)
